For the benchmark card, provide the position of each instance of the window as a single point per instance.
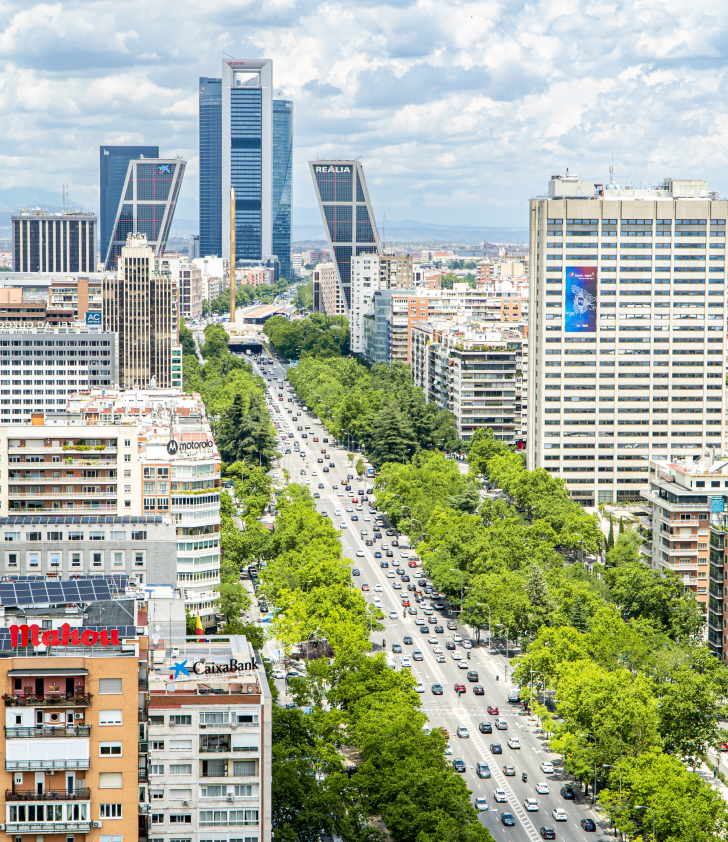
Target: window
(34, 536)
(110, 780)
(75, 559)
(158, 796)
(33, 559)
(243, 768)
(97, 562)
(180, 794)
(180, 745)
(110, 749)
(12, 559)
(110, 811)
(110, 838)
(109, 686)
(157, 818)
(54, 560)
(109, 717)
(214, 718)
(158, 745)
(181, 818)
(180, 719)
(156, 720)
(118, 559)
(180, 769)
(157, 768)
(118, 535)
(214, 768)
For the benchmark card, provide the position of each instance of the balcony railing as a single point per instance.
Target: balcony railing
(12, 732)
(60, 765)
(80, 700)
(82, 794)
(48, 827)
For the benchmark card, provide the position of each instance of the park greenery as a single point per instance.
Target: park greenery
(245, 296)
(379, 409)
(318, 335)
(639, 694)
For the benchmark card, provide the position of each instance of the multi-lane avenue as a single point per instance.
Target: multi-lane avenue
(451, 710)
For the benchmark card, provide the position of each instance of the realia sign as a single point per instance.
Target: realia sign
(65, 636)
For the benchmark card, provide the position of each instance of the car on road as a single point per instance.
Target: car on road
(547, 767)
(467, 644)
(472, 676)
(567, 792)
(378, 604)
(492, 709)
(438, 630)
(437, 649)
(411, 564)
(459, 688)
(509, 771)
(459, 765)
(485, 728)
(407, 640)
(457, 638)
(501, 724)
(406, 663)
(507, 819)
(588, 825)
(394, 615)
(342, 525)
(365, 587)
(542, 788)
(416, 655)
(514, 743)
(412, 610)
(531, 805)
(378, 588)
(547, 833)
(496, 748)
(480, 804)
(558, 814)
(396, 647)
(462, 731)
(389, 554)
(355, 570)
(500, 796)
(419, 687)
(360, 553)
(482, 770)
(478, 690)
(382, 564)
(390, 574)
(440, 659)
(456, 656)
(398, 587)
(437, 690)
(451, 646)
(463, 665)
(377, 554)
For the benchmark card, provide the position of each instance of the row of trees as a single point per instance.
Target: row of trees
(379, 408)
(359, 711)
(639, 693)
(318, 335)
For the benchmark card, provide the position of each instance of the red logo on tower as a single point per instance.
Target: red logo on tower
(65, 636)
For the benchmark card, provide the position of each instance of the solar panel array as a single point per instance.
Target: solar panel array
(124, 631)
(29, 591)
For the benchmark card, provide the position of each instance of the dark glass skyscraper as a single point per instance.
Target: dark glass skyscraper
(347, 214)
(282, 175)
(210, 166)
(246, 142)
(113, 164)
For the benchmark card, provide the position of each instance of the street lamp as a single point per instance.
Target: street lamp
(505, 671)
(644, 807)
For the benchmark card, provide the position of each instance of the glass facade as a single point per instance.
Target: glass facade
(210, 166)
(246, 170)
(282, 176)
(113, 164)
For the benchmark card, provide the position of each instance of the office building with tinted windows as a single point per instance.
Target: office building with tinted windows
(147, 204)
(113, 166)
(56, 242)
(246, 143)
(347, 214)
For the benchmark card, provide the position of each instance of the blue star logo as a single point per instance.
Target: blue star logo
(164, 168)
(180, 669)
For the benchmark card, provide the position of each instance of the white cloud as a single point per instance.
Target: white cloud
(461, 110)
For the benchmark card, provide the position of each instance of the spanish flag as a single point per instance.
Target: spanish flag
(198, 628)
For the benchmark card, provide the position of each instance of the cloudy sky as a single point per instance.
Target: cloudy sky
(460, 110)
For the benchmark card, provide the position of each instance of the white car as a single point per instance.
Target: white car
(342, 525)
(360, 553)
(390, 575)
(456, 656)
(457, 638)
(404, 554)
(480, 804)
(448, 749)
(500, 796)
(464, 665)
(547, 767)
(467, 644)
(542, 788)
(377, 602)
(393, 615)
(314, 473)
(437, 650)
(378, 588)
(531, 804)
(559, 814)
(420, 687)
(406, 663)
(514, 742)
(349, 509)
(337, 512)
(433, 640)
(358, 508)
(366, 517)
(276, 475)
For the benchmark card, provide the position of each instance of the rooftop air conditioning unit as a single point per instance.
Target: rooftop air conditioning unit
(98, 824)
(79, 716)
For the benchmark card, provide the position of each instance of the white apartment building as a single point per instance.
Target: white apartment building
(369, 273)
(209, 742)
(327, 296)
(627, 332)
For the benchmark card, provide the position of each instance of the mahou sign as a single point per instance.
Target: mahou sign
(65, 636)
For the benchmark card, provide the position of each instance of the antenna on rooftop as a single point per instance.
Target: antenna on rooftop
(611, 172)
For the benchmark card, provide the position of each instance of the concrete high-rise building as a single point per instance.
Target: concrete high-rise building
(347, 214)
(327, 297)
(113, 166)
(55, 242)
(368, 274)
(246, 142)
(147, 204)
(627, 332)
(194, 247)
(139, 308)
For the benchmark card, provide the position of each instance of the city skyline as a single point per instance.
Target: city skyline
(456, 120)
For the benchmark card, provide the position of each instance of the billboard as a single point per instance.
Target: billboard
(580, 299)
(93, 318)
(717, 505)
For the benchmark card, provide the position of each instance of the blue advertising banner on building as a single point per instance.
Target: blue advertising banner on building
(93, 318)
(580, 299)
(717, 505)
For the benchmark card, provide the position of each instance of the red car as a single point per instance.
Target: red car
(366, 588)
(724, 746)
(492, 709)
(459, 688)
(405, 603)
(411, 564)
(315, 438)
(355, 500)
(445, 732)
(323, 450)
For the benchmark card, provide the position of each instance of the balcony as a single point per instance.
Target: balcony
(62, 731)
(82, 794)
(48, 827)
(82, 700)
(62, 765)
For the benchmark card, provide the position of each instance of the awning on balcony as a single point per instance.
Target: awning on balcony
(49, 672)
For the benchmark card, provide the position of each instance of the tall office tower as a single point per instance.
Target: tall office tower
(246, 142)
(138, 307)
(347, 214)
(194, 247)
(147, 203)
(113, 166)
(56, 242)
(627, 332)
(210, 167)
(282, 177)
